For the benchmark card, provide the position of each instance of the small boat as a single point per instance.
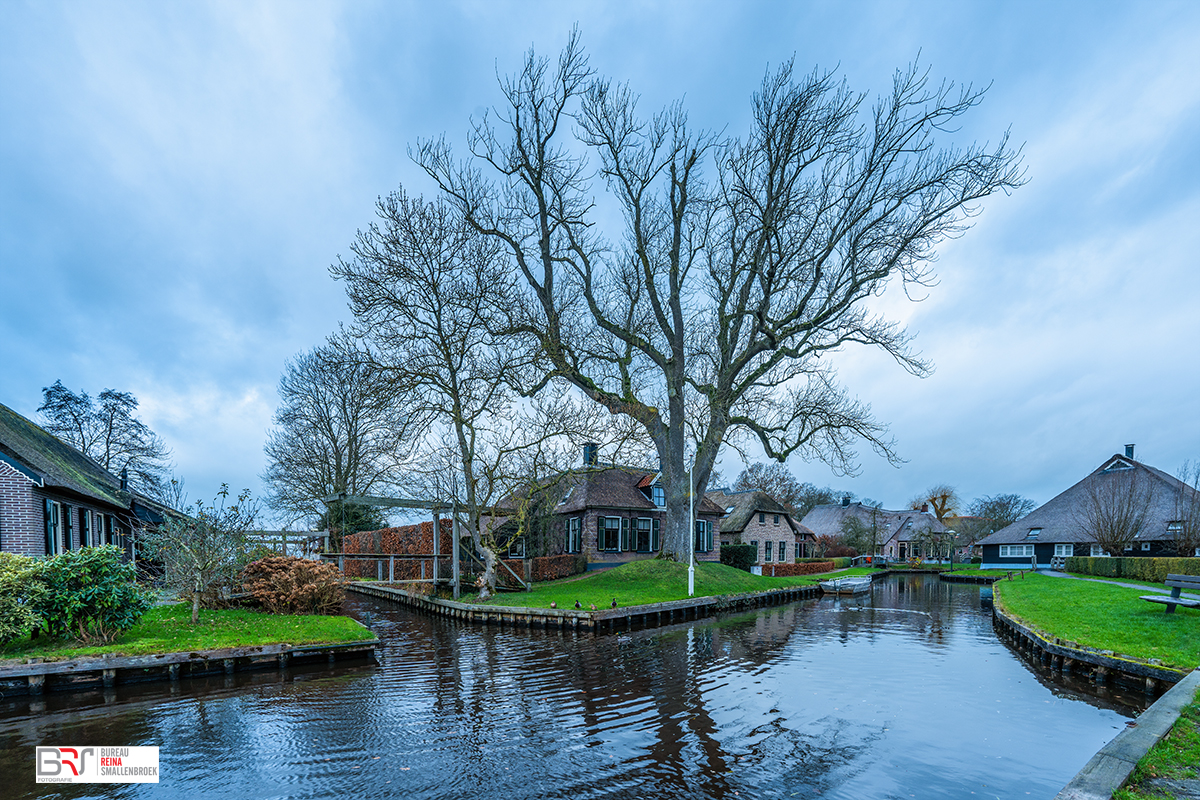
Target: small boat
(852, 585)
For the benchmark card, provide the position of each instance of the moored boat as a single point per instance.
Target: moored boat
(852, 585)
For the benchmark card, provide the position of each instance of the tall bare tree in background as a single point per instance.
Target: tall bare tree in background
(740, 266)
(428, 291)
(1186, 525)
(1115, 509)
(339, 428)
(776, 480)
(942, 499)
(107, 431)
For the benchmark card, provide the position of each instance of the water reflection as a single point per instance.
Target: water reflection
(904, 692)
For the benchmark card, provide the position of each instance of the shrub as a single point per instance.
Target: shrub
(291, 585)
(19, 590)
(841, 562)
(1144, 569)
(90, 594)
(740, 556)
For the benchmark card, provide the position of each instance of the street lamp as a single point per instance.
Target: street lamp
(691, 532)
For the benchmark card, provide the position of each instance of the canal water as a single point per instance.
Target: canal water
(903, 693)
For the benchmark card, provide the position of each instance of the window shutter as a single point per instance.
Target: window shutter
(625, 533)
(85, 532)
(655, 537)
(48, 508)
(600, 533)
(66, 526)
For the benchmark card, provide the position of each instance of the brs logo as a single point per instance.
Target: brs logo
(53, 761)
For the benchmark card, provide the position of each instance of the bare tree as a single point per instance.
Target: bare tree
(942, 498)
(1115, 509)
(108, 432)
(426, 290)
(991, 513)
(202, 552)
(740, 265)
(1185, 527)
(338, 428)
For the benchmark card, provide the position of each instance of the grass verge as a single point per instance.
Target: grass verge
(650, 581)
(168, 629)
(1105, 617)
(1174, 758)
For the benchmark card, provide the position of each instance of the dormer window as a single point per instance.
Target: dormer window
(1033, 533)
(1175, 527)
(658, 495)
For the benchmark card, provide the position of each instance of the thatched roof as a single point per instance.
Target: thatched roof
(1061, 519)
(605, 487)
(740, 508)
(826, 520)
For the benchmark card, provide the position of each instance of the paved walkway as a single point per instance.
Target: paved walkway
(1155, 589)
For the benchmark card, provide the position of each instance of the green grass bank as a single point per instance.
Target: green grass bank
(168, 629)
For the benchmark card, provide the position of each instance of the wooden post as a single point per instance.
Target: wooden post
(437, 541)
(391, 569)
(341, 563)
(454, 534)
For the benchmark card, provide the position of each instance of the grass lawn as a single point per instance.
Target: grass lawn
(1148, 584)
(1105, 617)
(1176, 757)
(651, 581)
(975, 570)
(168, 629)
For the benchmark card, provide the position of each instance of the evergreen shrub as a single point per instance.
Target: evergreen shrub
(18, 592)
(90, 595)
(739, 556)
(1143, 569)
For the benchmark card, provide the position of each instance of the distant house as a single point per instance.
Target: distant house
(610, 514)
(756, 518)
(898, 534)
(53, 498)
(1056, 530)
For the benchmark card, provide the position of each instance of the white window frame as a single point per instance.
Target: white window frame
(1145, 545)
(575, 535)
(1098, 552)
(782, 552)
(616, 531)
(659, 496)
(1064, 550)
(767, 551)
(1016, 550)
(646, 525)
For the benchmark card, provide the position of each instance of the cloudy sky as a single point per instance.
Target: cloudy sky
(176, 178)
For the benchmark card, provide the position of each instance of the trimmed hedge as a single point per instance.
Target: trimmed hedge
(788, 570)
(739, 556)
(1144, 569)
(841, 562)
(544, 568)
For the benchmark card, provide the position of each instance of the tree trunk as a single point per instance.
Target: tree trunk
(195, 606)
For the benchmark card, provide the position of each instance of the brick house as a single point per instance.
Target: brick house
(898, 534)
(1056, 530)
(756, 518)
(610, 514)
(54, 498)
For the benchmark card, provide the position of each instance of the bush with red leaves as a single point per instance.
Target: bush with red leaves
(291, 585)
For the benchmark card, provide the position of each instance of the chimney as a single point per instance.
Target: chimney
(590, 451)
(124, 479)
(1129, 451)
(846, 501)
(924, 508)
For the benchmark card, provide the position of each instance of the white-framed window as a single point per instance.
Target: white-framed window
(766, 551)
(1128, 547)
(1016, 550)
(762, 518)
(776, 519)
(704, 537)
(609, 534)
(642, 535)
(516, 548)
(658, 495)
(574, 535)
(1197, 553)
(783, 551)
(1175, 526)
(1064, 550)
(1033, 533)
(1098, 552)
(1145, 545)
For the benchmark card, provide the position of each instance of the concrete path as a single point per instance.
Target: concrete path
(1156, 590)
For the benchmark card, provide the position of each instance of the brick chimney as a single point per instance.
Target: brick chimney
(590, 451)
(1129, 451)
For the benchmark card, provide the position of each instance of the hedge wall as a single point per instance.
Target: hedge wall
(739, 556)
(787, 570)
(545, 568)
(1144, 569)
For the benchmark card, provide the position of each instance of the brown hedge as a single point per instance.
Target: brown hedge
(292, 585)
(788, 570)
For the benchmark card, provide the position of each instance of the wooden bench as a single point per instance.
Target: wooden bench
(1178, 584)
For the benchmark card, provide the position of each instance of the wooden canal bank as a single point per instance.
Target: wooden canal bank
(599, 621)
(36, 676)
(1102, 666)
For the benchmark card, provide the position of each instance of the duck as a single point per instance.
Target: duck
(553, 604)
(614, 602)
(578, 604)
(593, 605)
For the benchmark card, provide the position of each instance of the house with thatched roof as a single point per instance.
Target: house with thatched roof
(54, 498)
(1061, 528)
(755, 518)
(612, 514)
(897, 534)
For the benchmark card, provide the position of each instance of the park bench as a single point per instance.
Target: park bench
(1178, 584)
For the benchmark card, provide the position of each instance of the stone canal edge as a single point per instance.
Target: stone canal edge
(36, 676)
